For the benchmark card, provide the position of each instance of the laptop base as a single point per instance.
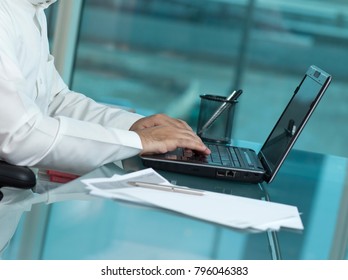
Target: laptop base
(178, 161)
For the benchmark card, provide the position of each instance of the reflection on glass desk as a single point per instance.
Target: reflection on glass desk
(63, 222)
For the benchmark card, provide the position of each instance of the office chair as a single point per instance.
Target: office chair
(16, 176)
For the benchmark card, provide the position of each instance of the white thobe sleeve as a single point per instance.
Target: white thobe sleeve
(74, 134)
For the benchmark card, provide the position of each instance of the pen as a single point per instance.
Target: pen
(160, 187)
(232, 97)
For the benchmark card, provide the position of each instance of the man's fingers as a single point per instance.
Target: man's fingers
(162, 139)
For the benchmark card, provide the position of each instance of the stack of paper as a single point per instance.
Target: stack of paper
(228, 210)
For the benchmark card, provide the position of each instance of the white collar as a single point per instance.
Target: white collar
(42, 3)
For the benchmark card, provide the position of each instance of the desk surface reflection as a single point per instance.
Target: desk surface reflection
(64, 222)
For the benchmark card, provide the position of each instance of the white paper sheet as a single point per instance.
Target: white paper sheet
(228, 210)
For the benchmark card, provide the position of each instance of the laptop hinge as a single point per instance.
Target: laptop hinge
(266, 167)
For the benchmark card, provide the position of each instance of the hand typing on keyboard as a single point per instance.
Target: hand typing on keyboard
(161, 134)
(195, 156)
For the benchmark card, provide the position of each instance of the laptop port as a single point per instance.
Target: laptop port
(221, 173)
(230, 174)
(225, 173)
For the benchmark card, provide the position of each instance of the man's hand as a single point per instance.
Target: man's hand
(158, 120)
(160, 134)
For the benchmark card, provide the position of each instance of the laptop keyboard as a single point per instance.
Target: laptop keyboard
(220, 155)
(223, 155)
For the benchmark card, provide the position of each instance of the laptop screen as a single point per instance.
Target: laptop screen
(293, 119)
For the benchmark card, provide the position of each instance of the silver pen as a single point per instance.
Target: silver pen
(233, 96)
(167, 188)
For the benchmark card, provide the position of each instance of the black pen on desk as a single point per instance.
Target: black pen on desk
(167, 188)
(227, 103)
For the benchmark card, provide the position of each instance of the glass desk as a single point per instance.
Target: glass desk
(64, 222)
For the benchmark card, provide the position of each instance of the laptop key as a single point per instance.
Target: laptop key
(234, 157)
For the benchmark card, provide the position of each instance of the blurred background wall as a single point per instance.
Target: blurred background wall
(160, 55)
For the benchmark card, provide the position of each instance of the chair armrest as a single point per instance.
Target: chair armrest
(16, 176)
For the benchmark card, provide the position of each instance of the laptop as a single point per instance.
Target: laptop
(242, 163)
